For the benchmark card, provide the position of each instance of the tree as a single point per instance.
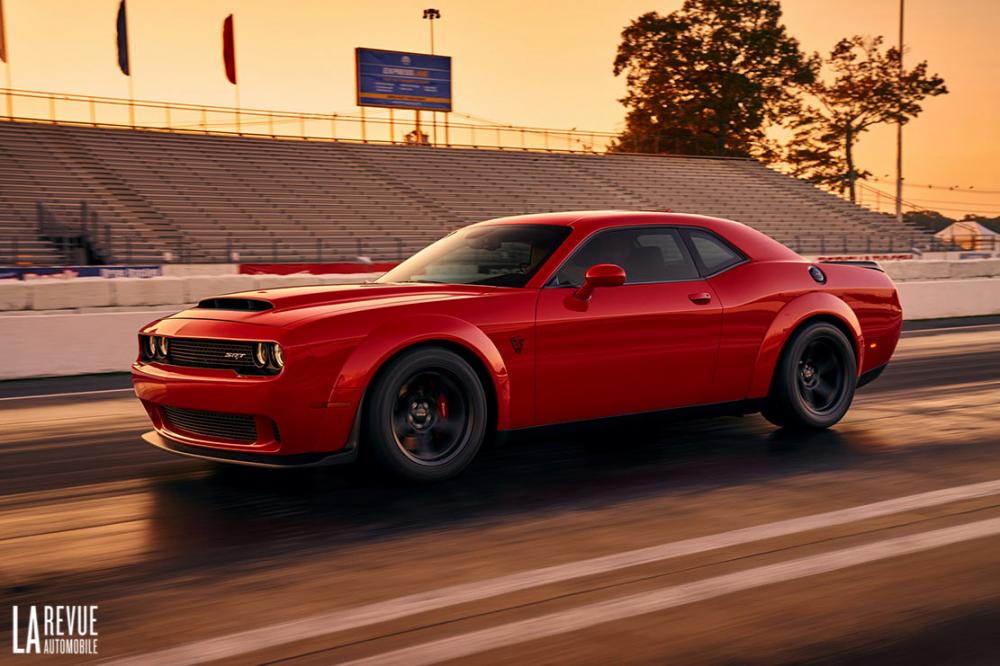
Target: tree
(931, 221)
(865, 86)
(709, 78)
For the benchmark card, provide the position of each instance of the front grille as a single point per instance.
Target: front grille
(197, 353)
(218, 425)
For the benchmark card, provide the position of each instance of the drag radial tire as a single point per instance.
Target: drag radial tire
(426, 415)
(814, 380)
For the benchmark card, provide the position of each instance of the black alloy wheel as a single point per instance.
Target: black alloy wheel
(821, 375)
(430, 417)
(815, 379)
(426, 415)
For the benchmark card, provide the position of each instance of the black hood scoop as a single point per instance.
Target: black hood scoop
(238, 304)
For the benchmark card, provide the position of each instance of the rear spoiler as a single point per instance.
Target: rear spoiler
(873, 265)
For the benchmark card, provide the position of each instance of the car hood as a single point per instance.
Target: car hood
(289, 305)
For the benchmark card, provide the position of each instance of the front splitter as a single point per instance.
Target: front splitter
(295, 461)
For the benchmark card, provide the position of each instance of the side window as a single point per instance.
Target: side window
(670, 252)
(714, 253)
(647, 255)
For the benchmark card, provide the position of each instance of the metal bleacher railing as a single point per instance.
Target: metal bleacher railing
(371, 126)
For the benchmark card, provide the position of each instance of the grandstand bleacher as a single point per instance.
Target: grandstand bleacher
(197, 197)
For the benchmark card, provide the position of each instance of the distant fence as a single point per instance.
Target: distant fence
(371, 126)
(822, 244)
(269, 249)
(81, 237)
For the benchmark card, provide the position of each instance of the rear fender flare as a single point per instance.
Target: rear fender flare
(389, 339)
(788, 319)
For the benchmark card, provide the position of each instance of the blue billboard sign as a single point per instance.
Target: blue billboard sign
(403, 80)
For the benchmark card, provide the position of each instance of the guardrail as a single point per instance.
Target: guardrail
(427, 128)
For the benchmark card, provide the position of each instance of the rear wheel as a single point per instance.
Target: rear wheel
(815, 379)
(427, 415)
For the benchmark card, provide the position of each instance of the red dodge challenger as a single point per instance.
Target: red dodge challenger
(517, 323)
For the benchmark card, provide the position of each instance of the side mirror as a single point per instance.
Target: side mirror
(601, 275)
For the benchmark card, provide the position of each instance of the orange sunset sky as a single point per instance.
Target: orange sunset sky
(527, 63)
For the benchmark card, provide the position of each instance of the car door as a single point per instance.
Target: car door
(649, 344)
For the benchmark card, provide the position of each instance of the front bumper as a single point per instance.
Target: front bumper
(292, 415)
(249, 418)
(252, 459)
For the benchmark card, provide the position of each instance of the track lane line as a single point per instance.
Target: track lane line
(67, 394)
(245, 642)
(562, 622)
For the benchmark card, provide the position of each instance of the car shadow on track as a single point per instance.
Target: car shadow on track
(231, 514)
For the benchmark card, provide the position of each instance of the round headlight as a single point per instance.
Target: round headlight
(163, 346)
(277, 355)
(260, 354)
(150, 343)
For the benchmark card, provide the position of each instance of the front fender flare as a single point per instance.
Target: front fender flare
(389, 339)
(789, 318)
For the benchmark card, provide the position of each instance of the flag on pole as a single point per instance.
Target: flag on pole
(229, 49)
(3, 37)
(122, 40)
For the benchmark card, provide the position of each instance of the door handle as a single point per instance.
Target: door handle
(701, 298)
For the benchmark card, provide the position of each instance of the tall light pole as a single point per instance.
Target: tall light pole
(899, 129)
(430, 14)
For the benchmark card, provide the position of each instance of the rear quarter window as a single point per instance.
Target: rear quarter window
(715, 254)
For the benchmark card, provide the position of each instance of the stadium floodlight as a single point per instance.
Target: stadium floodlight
(430, 14)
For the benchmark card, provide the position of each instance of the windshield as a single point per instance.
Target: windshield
(499, 255)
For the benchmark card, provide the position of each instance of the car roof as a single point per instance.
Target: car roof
(752, 242)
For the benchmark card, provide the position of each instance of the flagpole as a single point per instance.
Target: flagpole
(10, 85)
(5, 54)
(125, 58)
(131, 100)
(229, 61)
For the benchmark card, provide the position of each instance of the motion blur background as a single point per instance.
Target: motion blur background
(137, 176)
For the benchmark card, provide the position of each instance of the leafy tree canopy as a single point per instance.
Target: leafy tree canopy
(861, 85)
(709, 78)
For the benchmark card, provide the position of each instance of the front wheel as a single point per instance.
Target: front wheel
(814, 380)
(426, 416)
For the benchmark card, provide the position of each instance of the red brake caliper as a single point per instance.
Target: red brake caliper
(442, 406)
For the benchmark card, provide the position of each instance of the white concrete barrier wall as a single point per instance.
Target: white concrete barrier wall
(39, 344)
(185, 270)
(203, 286)
(937, 299)
(61, 294)
(41, 295)
(140, 291)
(56, 345)
(918, 269)
(179, 289)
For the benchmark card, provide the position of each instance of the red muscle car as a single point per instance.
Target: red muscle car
(511, 324)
